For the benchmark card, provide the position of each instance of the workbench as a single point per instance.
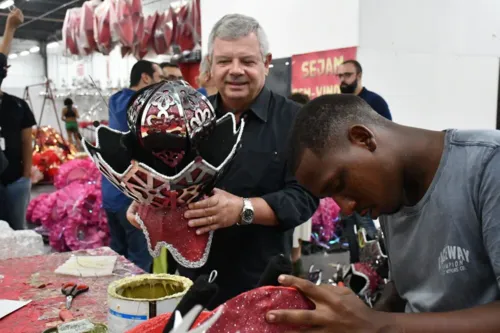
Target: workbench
(33, 278)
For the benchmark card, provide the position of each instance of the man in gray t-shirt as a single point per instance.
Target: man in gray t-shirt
(445, 250)
(438, 195)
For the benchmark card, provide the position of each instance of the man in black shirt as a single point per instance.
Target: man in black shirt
(16, 121)
(257, 200)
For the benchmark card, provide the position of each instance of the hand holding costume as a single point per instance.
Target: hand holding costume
(171, 157)
(221, 210)
(244, 313)
(337, 309)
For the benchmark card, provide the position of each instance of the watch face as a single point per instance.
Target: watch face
(248, 216)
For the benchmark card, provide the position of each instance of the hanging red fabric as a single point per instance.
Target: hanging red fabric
(102, 28)
(87, 27)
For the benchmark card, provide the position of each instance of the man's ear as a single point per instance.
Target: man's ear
(267, 61)
(362, 136)
(145, 78)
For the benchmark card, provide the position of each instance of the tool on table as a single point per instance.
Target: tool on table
(71, 290)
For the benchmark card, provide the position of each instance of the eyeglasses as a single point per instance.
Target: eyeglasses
(346, 75)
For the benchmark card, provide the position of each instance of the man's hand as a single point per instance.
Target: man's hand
(338, 309)
(221, 210)
(15, 19)
(132, 209)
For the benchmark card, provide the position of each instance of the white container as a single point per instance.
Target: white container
(134, 300)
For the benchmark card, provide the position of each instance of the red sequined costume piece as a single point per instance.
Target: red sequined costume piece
(173, 154)
(169, 228)
(244, 313)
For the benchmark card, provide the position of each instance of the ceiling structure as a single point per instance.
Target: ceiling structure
(46, 28)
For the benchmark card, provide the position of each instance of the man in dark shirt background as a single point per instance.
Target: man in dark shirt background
(257, 179)
(350, 74)
(16, 121)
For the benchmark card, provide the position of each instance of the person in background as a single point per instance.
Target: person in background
(350, 74)
(16, 121)
(171, 71)
(125, 239)
(70, 117)
(204, 80)
(257, 200)
(437, 195)
(303, 231)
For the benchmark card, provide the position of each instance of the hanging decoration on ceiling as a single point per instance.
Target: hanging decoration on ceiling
(100, 26)
(172, 156)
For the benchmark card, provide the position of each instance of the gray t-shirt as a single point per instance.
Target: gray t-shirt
(445, 251)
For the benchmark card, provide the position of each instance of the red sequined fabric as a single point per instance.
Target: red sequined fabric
(168, 227)
(363, 279)
(244, 313)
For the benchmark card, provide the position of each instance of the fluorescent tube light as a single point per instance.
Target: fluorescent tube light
(6, 4)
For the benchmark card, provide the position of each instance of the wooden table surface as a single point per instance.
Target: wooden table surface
(33, 278)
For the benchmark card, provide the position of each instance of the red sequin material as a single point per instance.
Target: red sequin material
(244, 313)
(168, 227)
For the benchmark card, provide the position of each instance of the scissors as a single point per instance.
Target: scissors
(71, 290)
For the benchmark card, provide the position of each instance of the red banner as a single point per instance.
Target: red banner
(313, 74)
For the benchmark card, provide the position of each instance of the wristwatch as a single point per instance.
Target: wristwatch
(247, 213)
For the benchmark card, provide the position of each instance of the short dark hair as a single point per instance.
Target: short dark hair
(299, 98)
(169, 64)
(323, 123)
(140, 67)
(68, 102)
(355, 63)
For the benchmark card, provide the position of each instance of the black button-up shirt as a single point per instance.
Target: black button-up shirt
(240, 253)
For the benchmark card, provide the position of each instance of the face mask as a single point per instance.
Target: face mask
(349, 88)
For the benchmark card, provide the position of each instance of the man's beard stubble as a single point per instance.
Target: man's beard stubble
(349, 88)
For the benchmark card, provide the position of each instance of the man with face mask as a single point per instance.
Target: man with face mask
(350, 74)
(125, 239)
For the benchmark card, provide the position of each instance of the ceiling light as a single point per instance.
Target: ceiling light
(24, 53)
(34, 49)
(6, 4)
(12, 56)
(52, 45)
